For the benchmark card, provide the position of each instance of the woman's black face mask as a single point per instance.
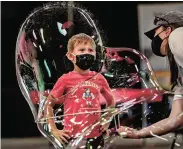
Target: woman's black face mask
(156, 45)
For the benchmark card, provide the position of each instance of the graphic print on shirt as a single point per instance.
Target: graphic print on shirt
(85, 100)
(88, 96)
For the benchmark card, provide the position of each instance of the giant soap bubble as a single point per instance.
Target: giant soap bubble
(41, 49)
(40, 61)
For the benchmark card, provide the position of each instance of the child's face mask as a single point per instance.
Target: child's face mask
(84, 61)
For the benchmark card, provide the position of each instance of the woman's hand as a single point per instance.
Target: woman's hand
(128, 132)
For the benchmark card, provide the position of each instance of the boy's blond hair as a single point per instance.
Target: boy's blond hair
(78, 39)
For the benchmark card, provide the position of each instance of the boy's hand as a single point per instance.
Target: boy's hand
(61, 135)
(106, 120)
(104, 127)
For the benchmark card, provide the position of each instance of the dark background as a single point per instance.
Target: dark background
(117, 19)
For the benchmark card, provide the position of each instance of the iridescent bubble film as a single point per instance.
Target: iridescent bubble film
(40, 61)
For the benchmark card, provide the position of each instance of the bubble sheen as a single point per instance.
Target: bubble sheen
(40, 61)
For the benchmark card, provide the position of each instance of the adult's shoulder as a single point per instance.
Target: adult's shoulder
(175, 36)
(175, 42)
(178, 94)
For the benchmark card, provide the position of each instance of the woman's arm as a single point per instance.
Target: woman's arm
(173, 122)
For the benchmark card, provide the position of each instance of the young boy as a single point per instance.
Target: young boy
(80, 91)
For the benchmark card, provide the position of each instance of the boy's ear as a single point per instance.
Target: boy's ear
(70, 56)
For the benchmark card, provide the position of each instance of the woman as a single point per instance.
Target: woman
(167, 40)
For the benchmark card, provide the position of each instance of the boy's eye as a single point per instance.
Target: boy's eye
(91, 50)
(81, 49)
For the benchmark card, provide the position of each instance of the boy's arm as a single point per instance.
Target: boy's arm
(107, 94)
(109, 98)
(48, 112)
(55, 97)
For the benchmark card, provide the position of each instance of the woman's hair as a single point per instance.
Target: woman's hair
(173, 67)
(172, 62)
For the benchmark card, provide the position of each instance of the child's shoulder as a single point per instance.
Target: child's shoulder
(100, 76)
(95, 74)
(92, 72)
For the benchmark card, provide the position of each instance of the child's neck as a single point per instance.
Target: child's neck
(80, 71)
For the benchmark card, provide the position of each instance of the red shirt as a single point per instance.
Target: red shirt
(81, 93)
